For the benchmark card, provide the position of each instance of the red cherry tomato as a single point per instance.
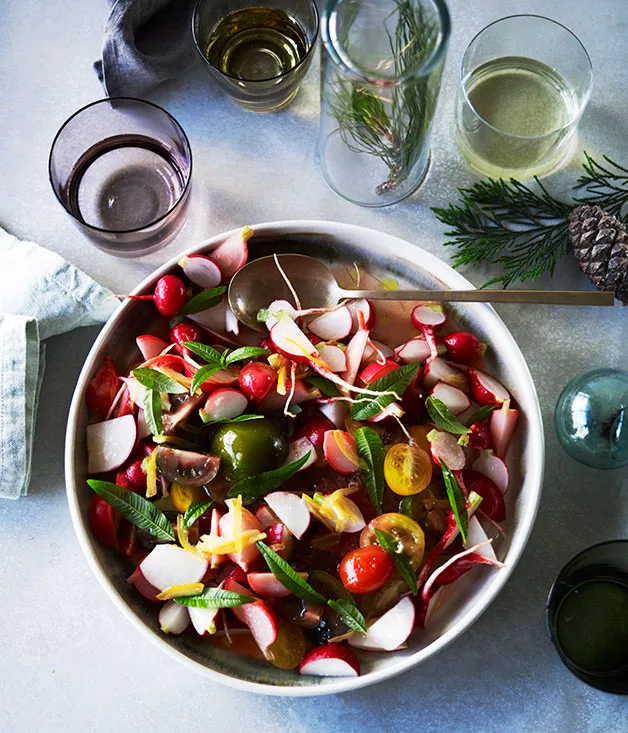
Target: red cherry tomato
(366, 569)
(314, 430)
(104, 521)
(492, 500)
(256, 379)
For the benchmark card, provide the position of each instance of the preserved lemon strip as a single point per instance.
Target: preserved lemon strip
(220, 546)
(177, 591)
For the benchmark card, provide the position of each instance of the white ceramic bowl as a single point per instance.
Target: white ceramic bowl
(470, 596)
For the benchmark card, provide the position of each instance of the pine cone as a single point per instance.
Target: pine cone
(600, 244)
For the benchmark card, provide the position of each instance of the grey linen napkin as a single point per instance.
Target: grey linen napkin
(146, 43)
(41, 295)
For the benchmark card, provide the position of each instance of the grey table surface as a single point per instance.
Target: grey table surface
(68, 660)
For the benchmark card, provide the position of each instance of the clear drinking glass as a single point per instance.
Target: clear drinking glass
(524, 83)
(380, 77)
(121, 168)
(257, 50)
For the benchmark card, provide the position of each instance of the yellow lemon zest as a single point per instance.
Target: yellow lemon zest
(151, 474)
(334, 510)
(219, 546)
(178, 378)
(247, 233)
(235, 507)
(183, 496)
(177, 591)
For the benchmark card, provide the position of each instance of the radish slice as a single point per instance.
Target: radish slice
(203, 619)
(455, 399)
(416, 350)
(390, 411)
(232, 254)
(375, 371)
(431, 315)
(477, 536)
(173, 618)
(266, 517)
(330, 660)
(367, 310)
(494, 468)
(250, 553)
(110, 443)
(334, 324)
(150, 345)
(291, 510)
(444, 447)
(466, 416)
(389, 631)
(340, 451)
(370, 354)
(168, 565)
(502, 424)
(143, 586)
(439, 370)
(335, 412)
(354, 355)
(224, 403)
(143, 431)
(258, 616)
(275, 401)
(267, 585)
(232, 325)
(289, 340)
(333, 356)
(486, 389)
(276, 308)
(200, 270)
(299, 448)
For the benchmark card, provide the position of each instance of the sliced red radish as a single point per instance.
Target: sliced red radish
(480, 436)
(275, 401)
(389, 631)
(354, 354)
(232, 254)
(335, 324)
(493, 467)
(173, 618)
(314, 429)
(224, 403)
(340, 451)
(476, 536)
(466, 416)
(367, 310)
(431, 315)
(248, 521)
(278, 308)
(299, 448)
(439, 370)
(203, 619)
(444, 447)
(288, 339)
(280, 540)
(150, 345)
(454, 399)
(375, 371)
(374, 351)
(110, 443)
(266, 517)
(415, 351)
(104, 521)
(143, 431)
(232, 325)
(147, 590)
(492, 499)
(333, 356)
(390, 411)
(258, 616)
(335, 412)
(168, 565)
(330, 660)
(267, 585)
(502, 424)
(291, 510)
(486, 389)
(200, 270)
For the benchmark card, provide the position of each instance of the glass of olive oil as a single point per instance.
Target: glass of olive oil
(525, 82)
(257, 52)
(587, 614)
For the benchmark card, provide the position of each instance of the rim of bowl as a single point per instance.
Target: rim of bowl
(534, 470)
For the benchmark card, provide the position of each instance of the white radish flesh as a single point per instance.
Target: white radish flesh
(333, 356)
(335, 412)
(250, 553)
(494, 468)
(275, 401)
(150, 345)
(389, 631)
(415, 351)
(276, 308)
(431, 315)
(299, 448)
(173, 618)
(266, 517)
(203, 619)
(340, 451)
(290, 341)
(354, 354)
(291, 510)
(110, 443)
(334, 324)
(454, 399)
(267, 585)
(330, 660)
(390, 411)
(367, 310)
(477, 536)
(486, 389)
(439, 370)
(143, 431)
(200, 270)
(444, 447)
(232, 254)
(370, 354)
(169, 565)
(232, 325)
(225, 403)
(502, 425)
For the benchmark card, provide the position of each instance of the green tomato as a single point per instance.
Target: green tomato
(248, 448)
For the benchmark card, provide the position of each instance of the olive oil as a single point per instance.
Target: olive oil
(515, 118)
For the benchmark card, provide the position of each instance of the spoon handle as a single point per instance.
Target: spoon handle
(548, 297)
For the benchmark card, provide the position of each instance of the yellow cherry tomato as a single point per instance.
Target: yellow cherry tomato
(419, 436)
(404, 529)
(407, 469)
(183, 496)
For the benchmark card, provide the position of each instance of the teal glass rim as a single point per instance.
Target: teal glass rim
(329, 34)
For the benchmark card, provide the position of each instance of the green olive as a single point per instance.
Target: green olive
(248, 448)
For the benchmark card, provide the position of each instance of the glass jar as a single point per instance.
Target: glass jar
(380, 76)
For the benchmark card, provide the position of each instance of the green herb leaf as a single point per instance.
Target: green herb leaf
(372, 452)
(214, 421)
(394, 550)
(482, 413)
(203, 374)
(194, 511)
(287, 576)
(152, 411)
(324, 386)
(135, 508)
(207, 353)
(443, 418)
(406, 506)
(349, 613)
(203, 301)
(215, 598)
(396, 381)
(153, 379)
(456, 499)
(255, 487)
(246, 352)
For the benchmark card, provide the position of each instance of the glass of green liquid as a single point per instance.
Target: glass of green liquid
(525, 82)
(257, 50)
(587, 614)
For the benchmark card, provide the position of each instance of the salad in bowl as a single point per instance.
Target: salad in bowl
(305, 498)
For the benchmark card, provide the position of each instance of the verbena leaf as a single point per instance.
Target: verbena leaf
(324, 386)
(215, 598)
(246, 352)
(287, 576)
(255, 487)
(443, 418)
(201, 302)
(372, 452)
(394, 550)
(152, 379)
(241, 418)
(152, 411)
(482, 413)
(207, 353)
(349, 613)
(396, 381)
(194, 511)
(456, 499)
(406, 506)
(203, 374)
(135, 508)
